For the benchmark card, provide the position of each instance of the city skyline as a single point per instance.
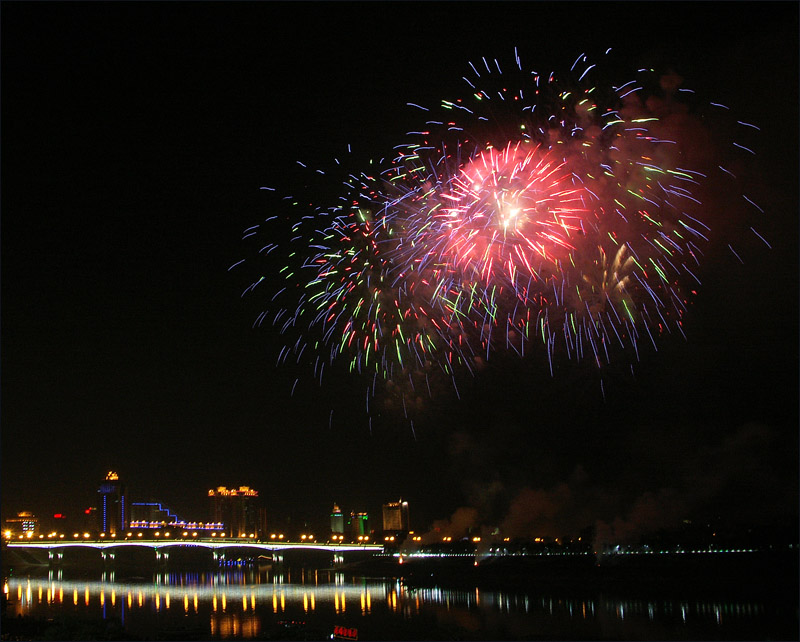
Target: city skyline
(134, 161)
(236, 511)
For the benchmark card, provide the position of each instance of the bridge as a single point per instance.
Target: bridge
(156, 544)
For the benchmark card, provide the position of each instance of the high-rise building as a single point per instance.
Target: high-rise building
(359, 524)
(113, 511)
(238, 509)
(25, 523)
(395, 516)
(337, 520)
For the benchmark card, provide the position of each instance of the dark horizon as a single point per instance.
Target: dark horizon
(136, 138)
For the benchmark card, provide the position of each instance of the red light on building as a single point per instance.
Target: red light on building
(59, 516)
(88, 511)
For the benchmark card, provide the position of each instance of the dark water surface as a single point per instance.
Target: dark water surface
(304, 603)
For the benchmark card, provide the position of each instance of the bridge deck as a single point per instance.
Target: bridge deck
(194, 542)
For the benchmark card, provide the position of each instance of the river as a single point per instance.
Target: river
(257, 603)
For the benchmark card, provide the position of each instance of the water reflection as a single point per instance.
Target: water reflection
(241, 604)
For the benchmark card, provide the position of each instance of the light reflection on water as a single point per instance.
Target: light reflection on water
(244, 604)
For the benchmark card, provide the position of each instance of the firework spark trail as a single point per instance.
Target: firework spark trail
(559, 209)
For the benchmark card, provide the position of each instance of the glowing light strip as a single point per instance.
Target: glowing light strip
(231, 591)
(154, 544)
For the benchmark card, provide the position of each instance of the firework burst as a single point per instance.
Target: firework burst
(536, 215)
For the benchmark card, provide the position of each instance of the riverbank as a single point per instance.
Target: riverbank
(769, 574)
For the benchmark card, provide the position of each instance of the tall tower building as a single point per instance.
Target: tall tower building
(395, 516)
(238, 509)
(114, 517)
(337, 520)
(359, 524)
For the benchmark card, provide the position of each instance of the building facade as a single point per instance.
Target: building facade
(395, 516)
(358, 524)
(113, 509)
(154, 516)
(25, 523)
(239, 510)
(337, 520)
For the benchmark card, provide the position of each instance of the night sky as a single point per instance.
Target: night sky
(135, 138)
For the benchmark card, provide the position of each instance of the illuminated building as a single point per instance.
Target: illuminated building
(113, 504)
(154, 516)
(358, 524)
(92, 519)
(395, 516)
(238, 510)
(337, 520)
(151, 512)
(24, 523)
